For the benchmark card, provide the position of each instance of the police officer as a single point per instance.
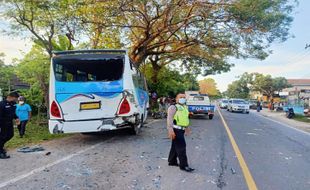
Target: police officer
(178, 125)
(7, 114)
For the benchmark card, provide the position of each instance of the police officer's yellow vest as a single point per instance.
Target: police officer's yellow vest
(181, 116)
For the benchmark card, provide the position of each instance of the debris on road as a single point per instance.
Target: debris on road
(27, 149)
(288, 158)
(252, 134)
(233, 171)
(48, 153)
(211, 181)
(157, 181)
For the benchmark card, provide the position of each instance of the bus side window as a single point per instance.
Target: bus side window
(81, 76)
(138, 80)
(58, 72)
(131, 64)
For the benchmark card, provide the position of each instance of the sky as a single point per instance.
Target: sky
(289, 59)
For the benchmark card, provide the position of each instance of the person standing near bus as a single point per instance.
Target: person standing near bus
(178, 125)
(7, 114)
(258, 106)
(23, 112)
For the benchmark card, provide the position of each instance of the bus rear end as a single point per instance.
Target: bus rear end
(87, 92)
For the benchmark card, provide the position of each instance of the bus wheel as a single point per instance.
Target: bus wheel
(136, 128)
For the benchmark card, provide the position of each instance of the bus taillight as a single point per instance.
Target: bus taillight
(55, 111)
(125, 107)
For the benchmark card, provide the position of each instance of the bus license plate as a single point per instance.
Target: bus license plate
(90, 105)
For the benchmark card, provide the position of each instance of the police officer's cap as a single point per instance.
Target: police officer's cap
(14, 94)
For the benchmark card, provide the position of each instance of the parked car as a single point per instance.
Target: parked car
(253, 104)
(238, 105)
(223, 103)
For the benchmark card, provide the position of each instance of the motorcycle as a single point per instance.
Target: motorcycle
(290, 113)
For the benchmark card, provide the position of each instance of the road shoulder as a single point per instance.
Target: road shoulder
(280, 118)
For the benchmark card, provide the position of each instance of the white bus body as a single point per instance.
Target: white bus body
(95, 90)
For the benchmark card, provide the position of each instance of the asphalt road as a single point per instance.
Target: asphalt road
(273, 156)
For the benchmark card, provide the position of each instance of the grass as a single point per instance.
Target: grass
(301, 118)
(35, 134)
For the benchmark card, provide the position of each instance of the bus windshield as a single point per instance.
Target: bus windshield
(84, 70)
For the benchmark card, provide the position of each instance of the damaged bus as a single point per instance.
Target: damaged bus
(94, 91)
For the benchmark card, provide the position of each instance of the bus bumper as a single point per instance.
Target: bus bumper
(58, 126)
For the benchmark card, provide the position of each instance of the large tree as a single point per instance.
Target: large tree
(238, 89)
(268, 85)
(208, 86)
(170, 81)
(202, 34)
(256, 82)
(208, 31)
(42, 21)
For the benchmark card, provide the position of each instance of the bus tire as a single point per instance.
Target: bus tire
(136, 128)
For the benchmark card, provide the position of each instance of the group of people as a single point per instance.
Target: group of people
(10, 110)
(164, 103)
(177, 126)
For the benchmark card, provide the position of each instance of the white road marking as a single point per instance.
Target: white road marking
(283, 124)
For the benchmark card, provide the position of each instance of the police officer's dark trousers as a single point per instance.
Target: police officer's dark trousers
(6, 133)
(178, 149)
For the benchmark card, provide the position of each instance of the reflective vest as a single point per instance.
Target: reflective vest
(181, 116)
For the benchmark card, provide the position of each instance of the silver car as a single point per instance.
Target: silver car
(238, 105)
(223, 103)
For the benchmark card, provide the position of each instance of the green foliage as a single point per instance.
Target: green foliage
(301, 118)
(256, 82)
(6, 76)
(170, 82)
(238, 89)
(34, 67)
(203, 35)
(61, 43)
(34, 70)
(35, 134)
(268, 85)
(34, 97)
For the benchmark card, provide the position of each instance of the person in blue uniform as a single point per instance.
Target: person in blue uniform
(7, 115)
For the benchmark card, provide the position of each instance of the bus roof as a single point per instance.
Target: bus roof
(96, 51)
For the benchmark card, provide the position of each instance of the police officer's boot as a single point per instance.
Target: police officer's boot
(4, 155)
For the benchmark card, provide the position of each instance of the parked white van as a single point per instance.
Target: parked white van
(96, 90)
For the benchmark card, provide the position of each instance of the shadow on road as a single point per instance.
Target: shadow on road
(97, 137)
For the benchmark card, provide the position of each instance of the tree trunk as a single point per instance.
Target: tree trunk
(156, 68)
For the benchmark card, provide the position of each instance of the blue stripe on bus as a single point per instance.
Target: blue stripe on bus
(143, 96)
(64, 97)
(67, 90)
